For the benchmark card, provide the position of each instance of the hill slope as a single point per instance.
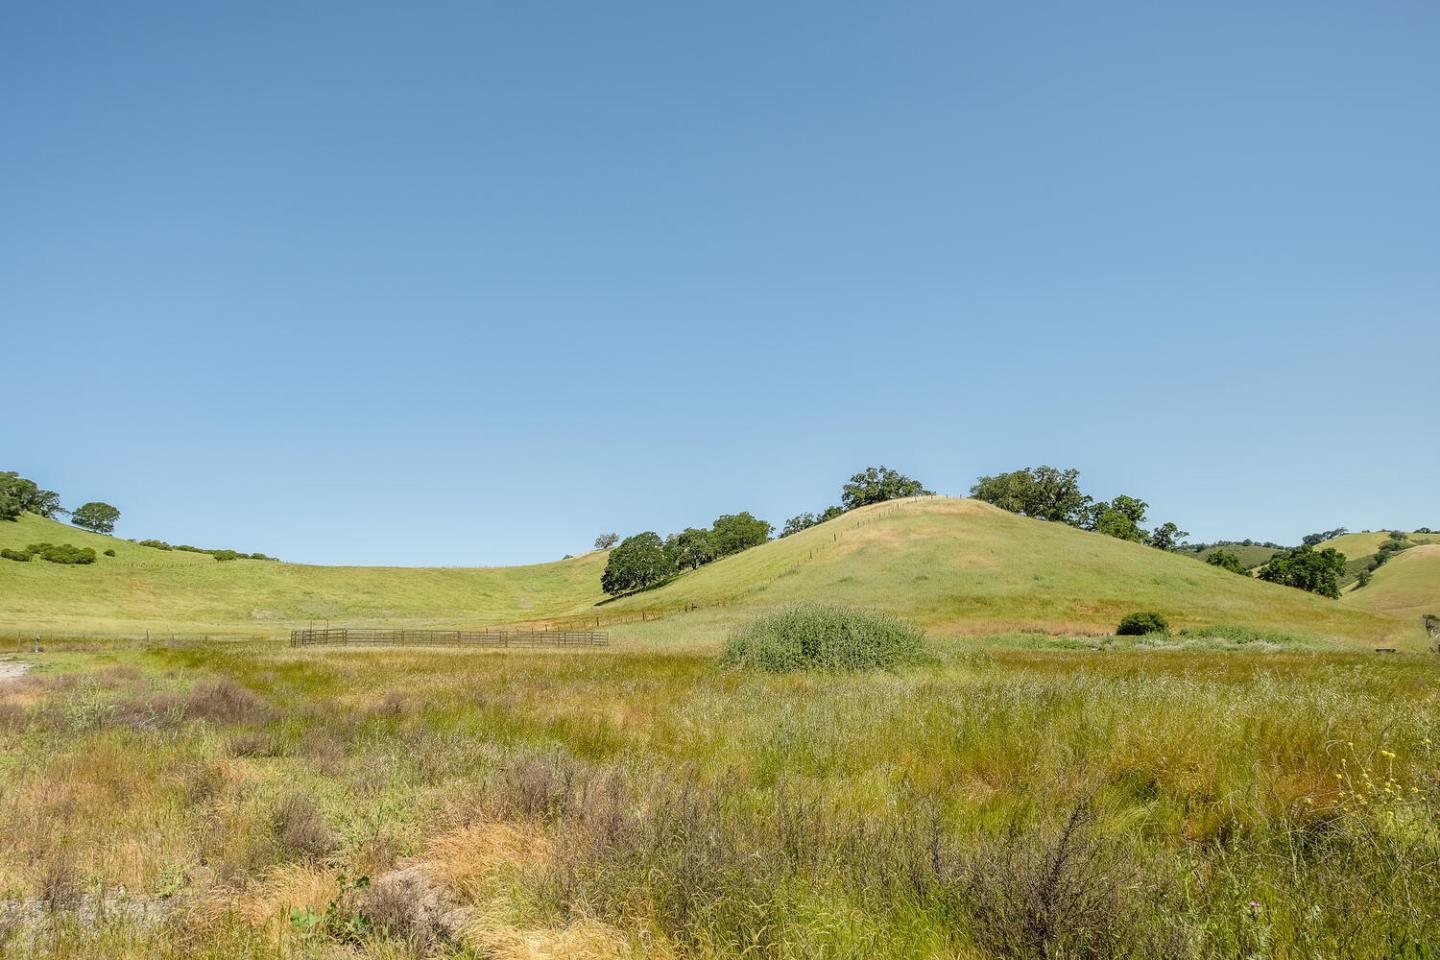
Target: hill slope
(962, 566)
(952, 565)
(1407, 586)
(143, 588)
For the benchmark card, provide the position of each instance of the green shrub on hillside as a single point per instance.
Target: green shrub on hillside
(1142, 622)
(110, 553)
(20, 556)
(155, 544)
(821, 637)
(54, 552)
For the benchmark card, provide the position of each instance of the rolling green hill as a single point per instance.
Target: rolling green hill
(142, 588)
(952, 565)
(1407, 586)
(1358, 546)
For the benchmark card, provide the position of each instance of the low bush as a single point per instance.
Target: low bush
(820, 637)
(110, 552)
(155, 544)
(53, 552)
(1142, 622)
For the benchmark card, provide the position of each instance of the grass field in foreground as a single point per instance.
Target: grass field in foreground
(1407, 586)
(951, 565)
(223, 802)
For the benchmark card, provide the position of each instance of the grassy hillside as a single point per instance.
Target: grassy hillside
(960, 566)
(169, 590)
(1407, 586)
(1356, 546)
(952, 565)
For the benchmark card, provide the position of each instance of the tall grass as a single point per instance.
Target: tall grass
(823, 637)
(988, 803)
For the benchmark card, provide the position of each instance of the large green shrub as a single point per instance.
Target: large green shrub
(822, 637)
(1141, 623)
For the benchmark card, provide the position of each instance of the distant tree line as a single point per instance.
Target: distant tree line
(1047, 493)
(1315, 539)
(218, 554)
(1202, 547)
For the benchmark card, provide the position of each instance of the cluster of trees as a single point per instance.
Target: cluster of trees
(871, 485)
(643, 560)
(19, 495)
(1306, 568)
(1047, 493)
(1227, 560)
(1315, 539)
(53, 552)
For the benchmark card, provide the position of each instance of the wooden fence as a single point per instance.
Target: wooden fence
(500, 637)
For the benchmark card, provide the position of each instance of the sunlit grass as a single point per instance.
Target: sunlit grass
(656, 804)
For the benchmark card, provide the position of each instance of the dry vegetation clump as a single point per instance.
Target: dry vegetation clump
(299, 828)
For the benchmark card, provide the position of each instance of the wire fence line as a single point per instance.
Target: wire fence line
(355, 636)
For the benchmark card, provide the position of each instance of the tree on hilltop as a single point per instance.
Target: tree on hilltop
(95, 516)
(878, 484)
(1044, 493)
(606, 540)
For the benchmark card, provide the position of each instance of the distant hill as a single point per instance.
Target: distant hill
(952, 565)
(1407, 586)
(1251, 556)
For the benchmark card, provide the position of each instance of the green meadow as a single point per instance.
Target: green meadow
(1017, 796)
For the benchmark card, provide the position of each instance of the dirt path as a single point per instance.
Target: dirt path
(10, 670)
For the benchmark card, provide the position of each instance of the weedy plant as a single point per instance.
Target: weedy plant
(822, 637)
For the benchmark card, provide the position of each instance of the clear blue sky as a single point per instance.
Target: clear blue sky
(473, 282)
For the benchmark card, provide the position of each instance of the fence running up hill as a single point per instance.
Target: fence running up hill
(348, 636)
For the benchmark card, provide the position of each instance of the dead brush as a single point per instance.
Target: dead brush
(224, 701)
(1065, 892)
(299, 829)
(59, 881)
(540, 786)
(405, 905)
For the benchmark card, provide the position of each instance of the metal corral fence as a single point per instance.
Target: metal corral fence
(349, 636)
